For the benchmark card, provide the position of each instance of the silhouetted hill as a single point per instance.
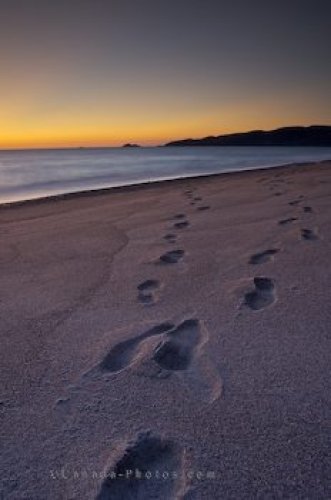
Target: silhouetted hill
(316, 135)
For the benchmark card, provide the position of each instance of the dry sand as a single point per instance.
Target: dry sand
(180, 329)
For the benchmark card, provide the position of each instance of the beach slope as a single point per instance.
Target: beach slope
(178, 329)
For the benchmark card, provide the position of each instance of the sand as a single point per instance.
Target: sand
(178, 330)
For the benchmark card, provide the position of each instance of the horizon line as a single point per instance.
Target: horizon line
(134, 144)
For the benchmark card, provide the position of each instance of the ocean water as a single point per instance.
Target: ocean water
(36, 173)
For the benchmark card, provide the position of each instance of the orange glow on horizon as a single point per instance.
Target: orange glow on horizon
(45, 119)
(78, 136)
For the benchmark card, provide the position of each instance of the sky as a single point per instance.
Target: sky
(106, 72)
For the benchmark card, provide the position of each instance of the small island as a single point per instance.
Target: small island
(129, 145)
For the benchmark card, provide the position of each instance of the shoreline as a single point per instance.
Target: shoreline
(86, 193)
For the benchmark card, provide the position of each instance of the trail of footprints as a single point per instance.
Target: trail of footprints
(306, 234)
(263, 292)
(168, 348)
(148, 290)
(180, 345)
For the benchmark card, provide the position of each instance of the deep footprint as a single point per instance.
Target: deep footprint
(307, 209)
(263, 295)
(145, 457)
(309, 234)
(172, 257)
(148, 285)
(204, 207)
(181, 225)
(146, 290)
(179, 216)
(261, 257)
(121, 355)
(177, 352)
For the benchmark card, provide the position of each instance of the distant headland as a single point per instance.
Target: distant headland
(315, 135)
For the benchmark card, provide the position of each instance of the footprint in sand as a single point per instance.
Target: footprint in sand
(170, 237)
(146, 291)
(172, 257)
(263, 295)
(123, 354)
(297, 201)
(262, 257)
(181, 352)
(188, 192)
(149, 455)
(181, 225)
(178, 216)
(197, 198)
(283, 222)
(307, 209)
(308, 234)
(204, 207)
(177, 351)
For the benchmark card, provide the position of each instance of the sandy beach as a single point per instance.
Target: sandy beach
(177, 331)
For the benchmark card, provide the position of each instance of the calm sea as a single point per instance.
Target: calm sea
(37, 173)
